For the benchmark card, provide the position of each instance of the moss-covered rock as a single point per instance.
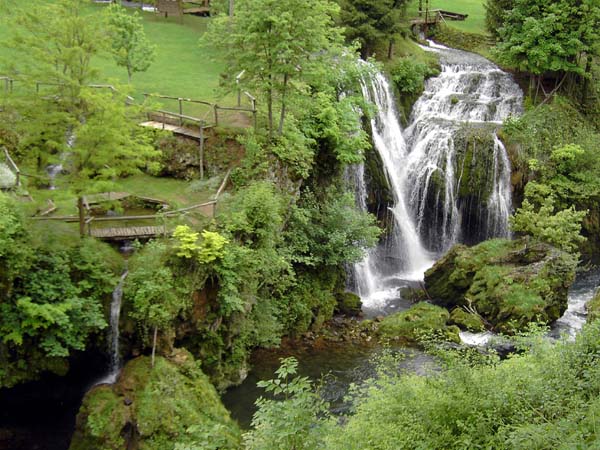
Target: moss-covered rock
(466, 321)
(349, 303)
(593, 308)
(508, 283)
(420, 318)
(155, 408)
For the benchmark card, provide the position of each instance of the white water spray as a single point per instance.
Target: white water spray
(424, 175)
(113, 338)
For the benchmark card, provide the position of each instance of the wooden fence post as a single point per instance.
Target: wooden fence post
(81, 216)
(216, 115)
(180, 111)
(201, 150)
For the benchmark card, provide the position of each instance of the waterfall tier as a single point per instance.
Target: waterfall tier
(447, 186)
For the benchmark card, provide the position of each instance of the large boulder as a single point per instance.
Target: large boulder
(154, 408)
(422, 318)
(507, 283)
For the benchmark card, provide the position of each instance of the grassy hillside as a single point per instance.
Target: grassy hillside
(475, 23)
(182, 67)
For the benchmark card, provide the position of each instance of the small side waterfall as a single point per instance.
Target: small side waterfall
(113, 337)
(434, 206)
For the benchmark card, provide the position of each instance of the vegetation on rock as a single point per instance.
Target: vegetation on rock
(155, 408)
(420, 319)
(508, 283)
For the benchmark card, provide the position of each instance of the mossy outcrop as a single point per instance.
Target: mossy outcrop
(593, 308)
(508, 283)
(466, 321)
(349, 304)
(153, 408)
(421, 318)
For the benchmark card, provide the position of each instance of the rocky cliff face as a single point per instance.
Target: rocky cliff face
(507, 283)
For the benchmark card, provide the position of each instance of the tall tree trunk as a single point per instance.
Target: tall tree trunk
(282, 114)
(230, 8)
(81, 216)
(154, 344)
(586, 81)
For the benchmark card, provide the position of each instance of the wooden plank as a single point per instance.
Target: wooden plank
(184, 131)
(94, 199)
(122, 233)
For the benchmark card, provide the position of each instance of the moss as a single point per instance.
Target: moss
(466, 321)
(475, 149)
(154, 408)
(593, 308)
(349, 304)
(509, 283)
(409, 325)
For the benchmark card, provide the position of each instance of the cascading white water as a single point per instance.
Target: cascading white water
(113, 338)
(365, 273)
(425, 173)
(392, 148)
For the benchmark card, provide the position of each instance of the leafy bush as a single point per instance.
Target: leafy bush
(409, 75)
(544, 398)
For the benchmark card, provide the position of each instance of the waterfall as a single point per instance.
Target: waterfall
(113, 337)
(426, 170)
(391, 146)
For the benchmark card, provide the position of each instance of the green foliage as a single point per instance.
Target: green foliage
(544, 398)
(280, 45)
(109, 144)
(130, 47)
(561, 229)
(419, 319)
(593, 308)
(293, 422)
(156, 297)
(539, 36)
(495, 15)
(329, 231)
(371, 22)
(186, 241)
(173, 406)
(50, 298)
(409, 75)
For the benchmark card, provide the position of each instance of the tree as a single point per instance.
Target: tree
(495, 15)
(157, 300)
(539, 36)
(130, 47)
(108, 143)
(279, 44)
(50, 298)
(372, 22)
(561, 229)
(55, 44)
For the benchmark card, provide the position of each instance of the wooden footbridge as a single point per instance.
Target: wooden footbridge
(132, 228)
(129, 233)
(431, 17)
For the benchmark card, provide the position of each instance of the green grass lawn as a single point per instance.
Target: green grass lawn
(475, 23)
(181, 68)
